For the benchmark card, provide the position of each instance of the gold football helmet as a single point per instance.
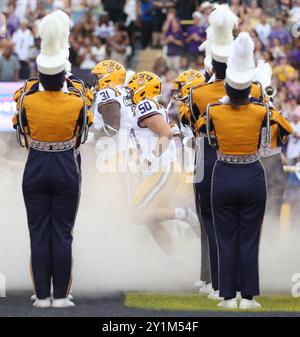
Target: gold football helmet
(144, 85)
(107, 73)
(184, 82)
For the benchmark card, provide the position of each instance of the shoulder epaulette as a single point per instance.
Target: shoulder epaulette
(259, 103)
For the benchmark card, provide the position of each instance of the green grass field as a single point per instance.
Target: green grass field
(196, 302)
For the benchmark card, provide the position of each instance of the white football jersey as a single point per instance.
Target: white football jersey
(108, 147)
(145, 139)
(110, 94)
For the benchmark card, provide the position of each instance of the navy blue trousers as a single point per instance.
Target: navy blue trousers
(239, 199)
(204, 209)
(51, 188)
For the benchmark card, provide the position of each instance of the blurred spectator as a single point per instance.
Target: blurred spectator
(205, 9)
(238, 8)
(160, 12)
(168, 82)
(105, 28)
(199, 63)
(185, 8)
(173, 39)
(293, 148)
(13, 21)
(283, 71)
(131, 12)
(295, 54)
(115, 9)
(254, 13)
(87, 59)
(88, 25)
(98, 49)
(277, 49)
(263, 30)
(119, 44)
(196, 34)
(147, 17)
(184, 64)
(295, 9)
(280, 33)
(160, 66)
(292, 107)
(23, 41)
(9, 64)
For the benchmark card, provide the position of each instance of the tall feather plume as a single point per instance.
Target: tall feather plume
(242, 55)
(222, 22)
(263, 73)
(64, 20)
(50, 30)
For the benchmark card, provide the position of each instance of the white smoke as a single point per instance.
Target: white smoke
(110, 253)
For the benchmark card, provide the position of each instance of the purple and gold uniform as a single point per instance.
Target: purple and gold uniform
(239, 190)
(52, 123)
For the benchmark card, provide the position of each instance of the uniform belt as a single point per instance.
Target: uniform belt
(238, 159)
(269, 152)
(51, 146)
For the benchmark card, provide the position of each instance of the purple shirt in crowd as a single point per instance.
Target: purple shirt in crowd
(174, 49)
(282, 35)
(193, 45)
(12, 24)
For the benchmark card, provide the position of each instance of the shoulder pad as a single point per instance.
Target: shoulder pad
(147, 108)
(107, 94)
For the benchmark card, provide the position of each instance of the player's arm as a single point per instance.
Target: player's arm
(160, 127)
(111, 114)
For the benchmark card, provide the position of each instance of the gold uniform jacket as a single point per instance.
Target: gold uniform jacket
(209, 93)
(238, 130)
(52, 116)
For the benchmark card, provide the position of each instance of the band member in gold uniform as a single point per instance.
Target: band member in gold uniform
(51, 123)
(238, 178)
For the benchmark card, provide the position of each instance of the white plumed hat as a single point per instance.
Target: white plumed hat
(206, 46)
(240, 66)
(222, 22)
(51, 59)
(64, 20)
(263, 73)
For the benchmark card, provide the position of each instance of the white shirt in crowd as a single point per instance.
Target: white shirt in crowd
(99, 53)
(23, 40)
(263, 31)
(293, 148)
(105, 31)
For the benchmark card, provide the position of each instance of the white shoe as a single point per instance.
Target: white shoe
(34, 298)
(199, 284)
(214, 295)
(45, 303)
(229, 304)
(207, 289)
(249, 304)
(62, 303)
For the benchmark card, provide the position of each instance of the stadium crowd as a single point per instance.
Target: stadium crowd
(119, 29)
